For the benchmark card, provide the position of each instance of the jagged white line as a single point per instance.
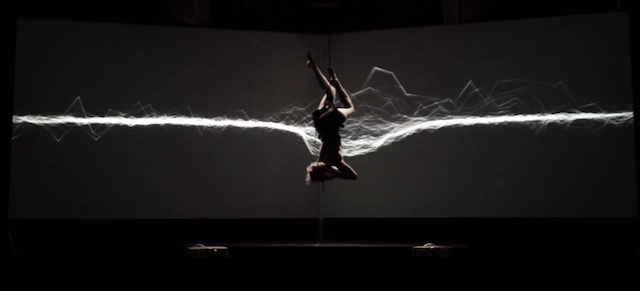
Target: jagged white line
(217, 122)
(307, 133)
(421, 124)
(221, 122)
(354, 145)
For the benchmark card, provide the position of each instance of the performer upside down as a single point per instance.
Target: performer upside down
(328, 118)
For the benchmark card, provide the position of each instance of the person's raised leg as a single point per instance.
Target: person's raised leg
(322, 80)
(343, 95)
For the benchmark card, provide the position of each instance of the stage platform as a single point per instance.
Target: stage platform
(327, 249)
(398, 238)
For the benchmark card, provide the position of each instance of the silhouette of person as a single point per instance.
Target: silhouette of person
(328, 118)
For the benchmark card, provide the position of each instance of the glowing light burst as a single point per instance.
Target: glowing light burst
(385, 113)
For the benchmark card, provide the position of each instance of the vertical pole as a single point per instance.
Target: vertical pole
(329, 43)
(320, 218)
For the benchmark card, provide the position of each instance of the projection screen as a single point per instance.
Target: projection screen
(522, 118)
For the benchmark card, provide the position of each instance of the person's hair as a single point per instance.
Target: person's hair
(318, 172)
(313, 172)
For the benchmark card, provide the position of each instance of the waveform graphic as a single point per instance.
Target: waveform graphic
(385, 113)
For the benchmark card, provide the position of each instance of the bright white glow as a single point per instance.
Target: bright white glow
(354, 145)
(385, 113)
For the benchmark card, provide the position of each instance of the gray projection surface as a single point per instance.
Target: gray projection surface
(160, 172)
(562, 63)
(547, 65)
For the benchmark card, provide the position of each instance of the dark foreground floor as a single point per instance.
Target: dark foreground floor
(400, 238)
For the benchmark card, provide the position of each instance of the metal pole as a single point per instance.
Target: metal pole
(320, 218)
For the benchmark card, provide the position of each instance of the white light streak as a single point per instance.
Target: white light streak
(385, 113)
(355, 145)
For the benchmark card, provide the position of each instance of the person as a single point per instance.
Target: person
(328, 119)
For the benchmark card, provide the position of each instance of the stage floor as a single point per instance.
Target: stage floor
(328, 249)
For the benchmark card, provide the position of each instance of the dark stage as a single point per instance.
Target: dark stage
(394, 238)
(541, 190)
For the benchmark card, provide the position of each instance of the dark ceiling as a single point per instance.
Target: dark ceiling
(312, 16)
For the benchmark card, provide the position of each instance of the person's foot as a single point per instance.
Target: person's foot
(310, 61)
(333, 77)
(332, 72)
